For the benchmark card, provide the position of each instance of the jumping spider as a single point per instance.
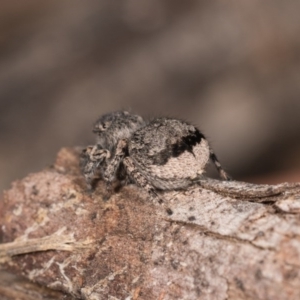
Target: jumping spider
(160, 154)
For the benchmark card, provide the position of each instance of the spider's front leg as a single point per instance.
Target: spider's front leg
(93, 159)
(113, 165)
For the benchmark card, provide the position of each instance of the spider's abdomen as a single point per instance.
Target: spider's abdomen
(170, 153)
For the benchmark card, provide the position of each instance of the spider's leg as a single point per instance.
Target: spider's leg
(92, 158)
(113, 164)
(216, 162)
(134, 173)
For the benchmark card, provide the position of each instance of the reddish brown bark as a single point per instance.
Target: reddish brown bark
(222, 241)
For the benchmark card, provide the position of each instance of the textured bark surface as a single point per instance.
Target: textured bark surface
(223, 240)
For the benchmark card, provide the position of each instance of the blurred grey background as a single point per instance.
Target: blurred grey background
(232, 68)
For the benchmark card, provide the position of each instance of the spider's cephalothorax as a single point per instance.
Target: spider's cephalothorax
(162, 154)
(110, 129)
(115, 126)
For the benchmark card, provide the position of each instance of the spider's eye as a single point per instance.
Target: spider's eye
(101, 126)
(98, 128)
(105, 125)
